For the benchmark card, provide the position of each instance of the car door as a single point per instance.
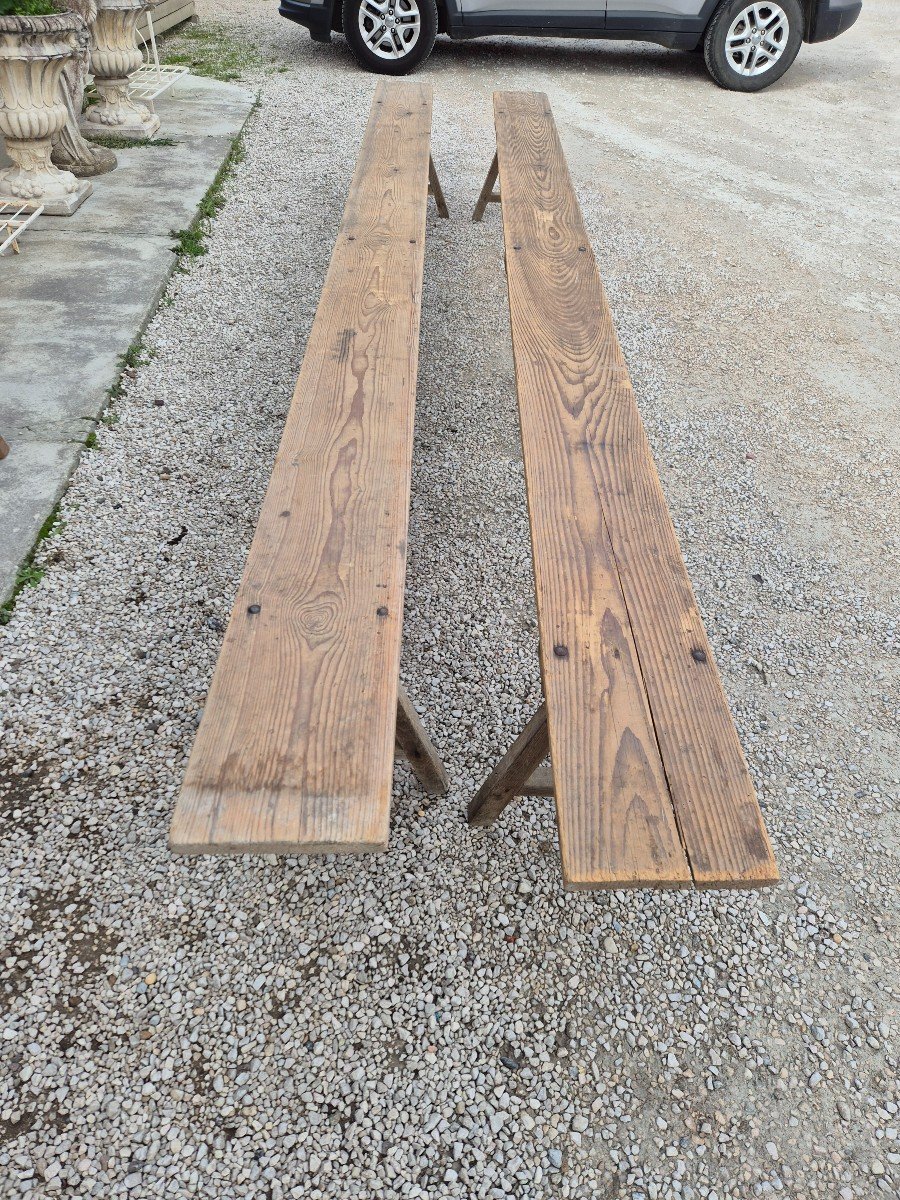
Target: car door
(520, 16)
(670, 16)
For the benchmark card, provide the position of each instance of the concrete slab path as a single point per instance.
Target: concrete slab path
(82, 290)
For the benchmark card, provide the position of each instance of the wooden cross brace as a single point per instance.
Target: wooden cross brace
(488, 195)
(518, 773)
(435, 189)
(416, 747)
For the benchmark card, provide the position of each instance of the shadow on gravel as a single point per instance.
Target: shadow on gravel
(602, 58)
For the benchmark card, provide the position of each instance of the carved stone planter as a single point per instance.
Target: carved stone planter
(33, 52)
(70, 150)
(114, 58)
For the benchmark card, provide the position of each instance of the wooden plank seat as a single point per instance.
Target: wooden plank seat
(295, 749)
(650, 781)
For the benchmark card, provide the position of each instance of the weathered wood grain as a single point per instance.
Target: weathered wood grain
(601, 531)
(167, 14)
(296, 746)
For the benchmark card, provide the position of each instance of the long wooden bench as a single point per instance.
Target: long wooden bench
(296, 746)
(650, 782)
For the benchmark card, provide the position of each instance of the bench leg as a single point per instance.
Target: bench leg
(416, 746)
(516, 774)
(435, 189)
(488, 195)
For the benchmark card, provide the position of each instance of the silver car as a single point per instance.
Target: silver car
(746, 45)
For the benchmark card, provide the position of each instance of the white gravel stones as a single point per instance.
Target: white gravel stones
(442, 1022)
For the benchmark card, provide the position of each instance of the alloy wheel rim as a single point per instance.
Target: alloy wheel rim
(390, 28)
(756, 39)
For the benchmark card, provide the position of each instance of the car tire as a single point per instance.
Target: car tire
(403, 46)
(749, 44)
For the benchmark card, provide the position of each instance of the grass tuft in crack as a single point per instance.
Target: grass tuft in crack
(191, 242)
(112, 142)
(30, 574)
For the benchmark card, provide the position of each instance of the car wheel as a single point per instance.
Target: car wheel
(749, 45)
(390, 36)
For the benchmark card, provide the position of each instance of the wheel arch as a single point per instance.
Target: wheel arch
(443, 12)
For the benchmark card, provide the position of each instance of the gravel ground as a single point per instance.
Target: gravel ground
(443, 1021)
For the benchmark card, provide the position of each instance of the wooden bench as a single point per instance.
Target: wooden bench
(650, 781)
(296, 746)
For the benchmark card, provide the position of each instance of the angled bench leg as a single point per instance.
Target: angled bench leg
(415, 744)
(488, 195)
(435, 189)
(514, 775)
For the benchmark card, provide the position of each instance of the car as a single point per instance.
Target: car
(747, 45)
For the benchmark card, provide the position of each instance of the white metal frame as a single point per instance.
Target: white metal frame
(14, 227)
(152, 78)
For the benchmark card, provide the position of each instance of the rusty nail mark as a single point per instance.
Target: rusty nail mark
(698, 655)
(254, 608)
(561, 651)
(381, 610)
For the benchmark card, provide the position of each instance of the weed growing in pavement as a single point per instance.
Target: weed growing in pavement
(135, 356)
(112, 142)
(191, 242)
(29, 574)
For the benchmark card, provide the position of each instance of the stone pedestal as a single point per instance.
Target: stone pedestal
(114, 58)
(33, 52)
(70, 151)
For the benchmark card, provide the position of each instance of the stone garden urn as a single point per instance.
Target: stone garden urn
(70, 150)
(114, 58)
(33, 53)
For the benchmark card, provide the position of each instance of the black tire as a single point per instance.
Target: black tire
(779, 49)
(400, 10)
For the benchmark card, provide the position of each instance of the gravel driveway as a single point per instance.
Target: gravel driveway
(442, 1021)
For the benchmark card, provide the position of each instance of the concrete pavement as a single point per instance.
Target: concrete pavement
(82, 290)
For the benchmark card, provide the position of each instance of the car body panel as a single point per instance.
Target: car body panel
(675, 23)
(553, 11)
(828, 18)
(677, 15)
